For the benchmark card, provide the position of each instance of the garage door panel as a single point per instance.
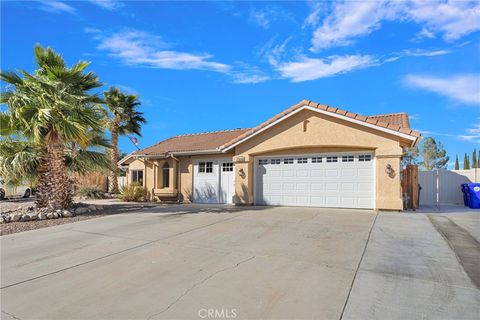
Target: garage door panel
(317, 173)
(348, 184)
(331, 172)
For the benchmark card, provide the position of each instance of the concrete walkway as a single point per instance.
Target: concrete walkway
(181, 262)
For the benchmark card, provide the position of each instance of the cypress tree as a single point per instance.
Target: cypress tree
(466, 164)
(457, 165)
(474, 159)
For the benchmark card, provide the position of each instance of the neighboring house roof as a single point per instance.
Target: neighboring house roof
(226, 139)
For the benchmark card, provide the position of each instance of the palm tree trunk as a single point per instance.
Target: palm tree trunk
(54, 190)
(113, 181)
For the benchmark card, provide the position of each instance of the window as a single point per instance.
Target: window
(275, 161)
(316, 159)
(288, 160)
(364, 157)
(205, 167)
(262, 162)
(332, 159)
(166, 175)
(227, 167)
(347, 158)
(137, 176)
(302, 160)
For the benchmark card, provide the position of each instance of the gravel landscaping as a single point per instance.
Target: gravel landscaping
(20, 215)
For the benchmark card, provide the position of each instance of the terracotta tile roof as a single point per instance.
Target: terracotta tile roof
(222, 139)
(390, 121)
(193, 142)
(399, 119)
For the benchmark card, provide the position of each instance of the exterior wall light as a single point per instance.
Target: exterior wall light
(241, 173)
(390, 171)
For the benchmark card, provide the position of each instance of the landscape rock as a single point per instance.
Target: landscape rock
(32, 216)
(42, 216)
(16, 217)
(92, 207)
(67, 214)
(100, 207)
(25, 217)
(81, 210)
(56, 215)
(50, 215)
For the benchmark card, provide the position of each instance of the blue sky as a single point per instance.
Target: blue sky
(193, 63)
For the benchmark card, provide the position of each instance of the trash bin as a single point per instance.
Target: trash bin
(473, 190)
(465, 194)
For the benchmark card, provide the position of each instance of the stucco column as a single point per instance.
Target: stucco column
(389, 193)
(243, 180)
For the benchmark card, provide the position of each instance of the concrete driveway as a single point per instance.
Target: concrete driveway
(199, 262)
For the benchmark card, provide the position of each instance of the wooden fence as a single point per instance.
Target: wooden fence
(410, 187)
(96, 179)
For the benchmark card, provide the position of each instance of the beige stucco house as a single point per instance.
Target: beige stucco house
(308, 155)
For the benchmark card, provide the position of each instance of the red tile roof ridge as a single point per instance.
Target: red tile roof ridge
(207, 132)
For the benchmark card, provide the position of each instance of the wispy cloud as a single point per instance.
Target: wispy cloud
(139, 48)
(110, 5)
(57, 7)
(313, 18)
(472, 134)
(306, 68)
(264, 17)
(351, 19)
(463, 88)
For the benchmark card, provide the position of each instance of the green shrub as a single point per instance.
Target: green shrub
(133, 192)
(91, 192)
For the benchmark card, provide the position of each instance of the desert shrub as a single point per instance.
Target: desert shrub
(133, 192)
(91, 192)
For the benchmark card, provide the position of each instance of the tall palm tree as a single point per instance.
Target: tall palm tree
(123, 119)
(52, 107)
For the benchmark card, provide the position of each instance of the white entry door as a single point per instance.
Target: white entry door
(227, 183)
(339, 180)
(213, 181)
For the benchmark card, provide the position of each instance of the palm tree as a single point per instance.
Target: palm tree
(21, 158)
(52, 107)
(123, 119)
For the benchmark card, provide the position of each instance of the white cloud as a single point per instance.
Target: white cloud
(246, 78)
(141, 48)
(111, 5)
(260, 18)
(424, 53)
(315, 68)
(57, 7)
(349, 20)
(462, 88)
(313, 17)
(265, 16)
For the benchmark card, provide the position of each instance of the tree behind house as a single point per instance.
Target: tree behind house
(457, 165)
(474, 159)
(466, 162)
(434, 156)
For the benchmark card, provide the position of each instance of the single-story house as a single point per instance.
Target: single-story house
(308, 155)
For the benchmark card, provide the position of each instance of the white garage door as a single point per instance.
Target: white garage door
(338, 180)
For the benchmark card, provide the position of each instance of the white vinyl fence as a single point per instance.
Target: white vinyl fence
(121, 181)
(444, 186)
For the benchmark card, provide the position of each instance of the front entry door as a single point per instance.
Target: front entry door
(227, 182)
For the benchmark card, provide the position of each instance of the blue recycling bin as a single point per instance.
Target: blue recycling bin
(465, 194)
(473, 190)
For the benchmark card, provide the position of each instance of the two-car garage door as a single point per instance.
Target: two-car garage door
(340, 180)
